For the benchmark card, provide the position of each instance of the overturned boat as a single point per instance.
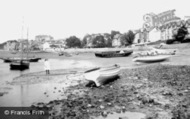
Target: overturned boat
(108, 54)
(101, 76)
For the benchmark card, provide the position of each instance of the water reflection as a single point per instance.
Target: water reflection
(25, 95)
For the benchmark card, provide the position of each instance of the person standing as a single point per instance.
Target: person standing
(47, 66)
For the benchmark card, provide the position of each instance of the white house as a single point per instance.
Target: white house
(116, 40)
(46, 46)
(154, 35)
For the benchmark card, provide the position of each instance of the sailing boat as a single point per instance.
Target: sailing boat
(21, 63)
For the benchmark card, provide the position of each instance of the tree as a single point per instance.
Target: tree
(108, 39)
(84, 40)
(98, 41)
(113, 33)
(73, 42)
(127, 38)
(181, 33)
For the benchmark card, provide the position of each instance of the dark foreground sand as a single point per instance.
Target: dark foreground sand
(159, 91)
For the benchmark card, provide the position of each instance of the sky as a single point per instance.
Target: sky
(65, 18)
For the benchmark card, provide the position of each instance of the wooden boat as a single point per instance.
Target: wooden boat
(157, 52)
(149, 59)
(108, 54)
(19, 64)
(22, 62)
(101, 76)
(8, 60)
(34, 59)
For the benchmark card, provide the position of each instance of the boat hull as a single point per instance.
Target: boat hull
(151, 59)
(19, 65)
(34, 59)
(103, 75)
(8, 60)
(109, 54)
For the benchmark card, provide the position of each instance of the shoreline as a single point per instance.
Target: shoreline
(137, 90)
(157, 90)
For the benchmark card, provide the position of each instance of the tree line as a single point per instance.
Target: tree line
(100, 40)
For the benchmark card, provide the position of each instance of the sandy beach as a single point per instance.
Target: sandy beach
(154, 91)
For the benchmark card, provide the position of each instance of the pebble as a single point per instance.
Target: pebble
(118, 110)
(109, 103)
(89, 105)
(104, 114)
(102, 107)
(100, 100)
(145, 79)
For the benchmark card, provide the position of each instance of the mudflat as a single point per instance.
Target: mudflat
(160, 91)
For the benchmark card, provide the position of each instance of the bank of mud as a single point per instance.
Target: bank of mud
(159, 91)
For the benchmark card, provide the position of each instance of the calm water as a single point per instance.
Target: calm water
(25, 95)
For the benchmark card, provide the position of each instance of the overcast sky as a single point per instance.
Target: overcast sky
(63, 18)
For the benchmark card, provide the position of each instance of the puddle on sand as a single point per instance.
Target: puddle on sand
(26, 95)
(125, 115)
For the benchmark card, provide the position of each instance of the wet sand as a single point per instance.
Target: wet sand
(158, 90)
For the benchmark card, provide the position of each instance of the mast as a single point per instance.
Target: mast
(22, 30)
(27, 43)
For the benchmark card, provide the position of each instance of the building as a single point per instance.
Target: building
(43, 38)
(116, 42)
(161, 26)
(11, 45)
(141, 36)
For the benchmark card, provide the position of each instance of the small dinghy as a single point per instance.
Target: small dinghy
(149, 59)
(101, 76)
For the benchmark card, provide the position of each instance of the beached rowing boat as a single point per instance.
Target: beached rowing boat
(102, 75)
(108, 54)
(149, 59)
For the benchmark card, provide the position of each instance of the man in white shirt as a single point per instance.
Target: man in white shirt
(47, 66)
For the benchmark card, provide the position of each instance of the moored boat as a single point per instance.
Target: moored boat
(150, 59)
(101, 76)
(19, 64)
(8, 60)
(108, 54)
(34, 59)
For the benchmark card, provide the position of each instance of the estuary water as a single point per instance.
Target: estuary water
(25, 95)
